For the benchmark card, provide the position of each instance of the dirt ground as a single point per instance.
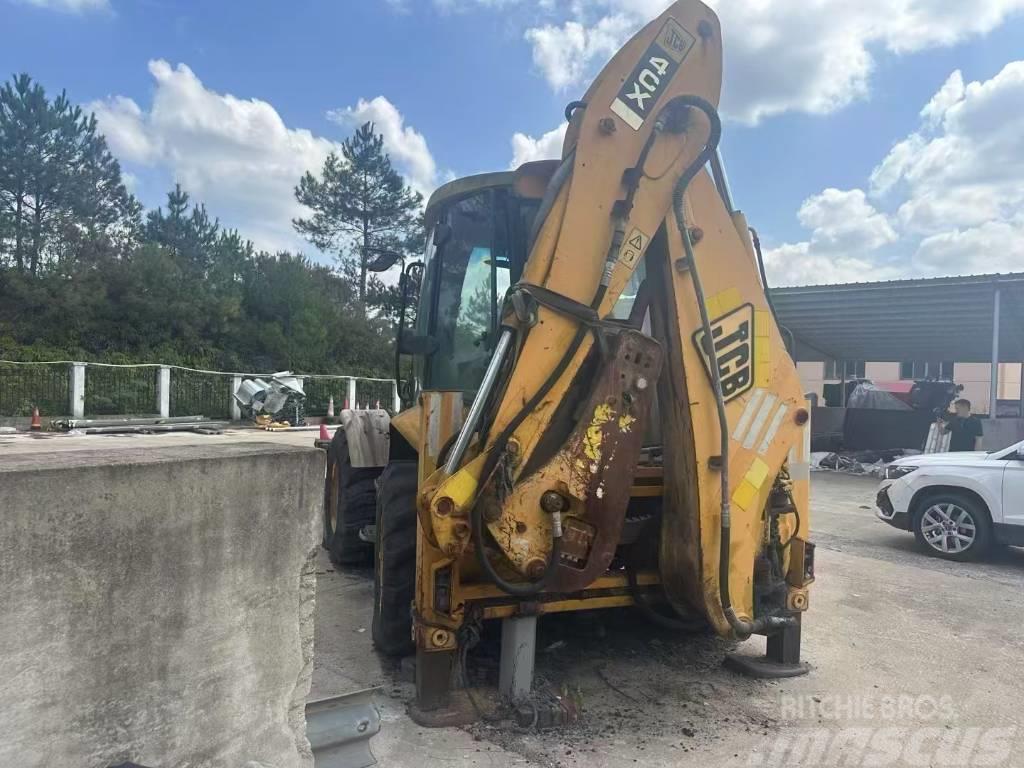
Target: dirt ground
(915, 661)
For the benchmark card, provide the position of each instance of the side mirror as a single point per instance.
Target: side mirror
(417, 345)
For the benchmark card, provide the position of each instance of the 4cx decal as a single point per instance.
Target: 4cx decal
(733, 335)
(641, 90)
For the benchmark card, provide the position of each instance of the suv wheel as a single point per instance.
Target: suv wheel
(953, 526)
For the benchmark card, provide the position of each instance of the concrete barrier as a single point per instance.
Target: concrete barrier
(157, 604)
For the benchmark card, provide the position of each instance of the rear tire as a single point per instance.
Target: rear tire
(953, 526)
(349, 504)
(394, 575)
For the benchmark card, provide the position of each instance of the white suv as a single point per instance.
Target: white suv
(957, 503)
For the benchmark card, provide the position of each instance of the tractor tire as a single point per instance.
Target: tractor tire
(349, 505)
(394, 576)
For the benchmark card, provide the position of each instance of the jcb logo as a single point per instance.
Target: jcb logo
(641, 90)
(732, 335)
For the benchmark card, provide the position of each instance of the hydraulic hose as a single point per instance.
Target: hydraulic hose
(741, 627)
(527, 589)
(561, 176)
(688, 624)
(791, 345)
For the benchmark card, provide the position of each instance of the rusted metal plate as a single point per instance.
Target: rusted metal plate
(602, 453)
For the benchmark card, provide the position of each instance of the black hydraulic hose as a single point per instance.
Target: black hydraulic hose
(555, 184)
(516, 589)
(571, 107)
(760, 268)
(741, 627)
(526, 589)
(792, 345)
(684, 624)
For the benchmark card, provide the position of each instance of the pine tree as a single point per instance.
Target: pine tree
(59, 184)
(359, 204)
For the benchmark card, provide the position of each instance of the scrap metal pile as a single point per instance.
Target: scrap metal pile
(277, 404)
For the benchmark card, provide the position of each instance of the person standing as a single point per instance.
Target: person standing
(963, 427)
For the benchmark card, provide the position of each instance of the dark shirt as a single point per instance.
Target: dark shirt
(962, 432)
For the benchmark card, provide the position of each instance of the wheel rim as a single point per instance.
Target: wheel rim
(948, 528)
(332, 498)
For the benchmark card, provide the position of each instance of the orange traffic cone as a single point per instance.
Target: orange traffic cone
(323, 432)
(330, 408)
(37, 424)
(345, 406)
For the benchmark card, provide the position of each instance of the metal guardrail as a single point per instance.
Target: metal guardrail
(22, 387)
(339, 730)
(114, 391)
(76, 389)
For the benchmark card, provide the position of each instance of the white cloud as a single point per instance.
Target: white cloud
(526, 148)
(955, 185)
(70, 6)
(779, 56)
(995, 246)
(565, 53)
(964, 166)
(845, 220)
(802, 264)
(846, 233)
(949, 94)
(404, 144)
(238, 155)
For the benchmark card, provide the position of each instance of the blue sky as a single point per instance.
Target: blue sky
(827, 147)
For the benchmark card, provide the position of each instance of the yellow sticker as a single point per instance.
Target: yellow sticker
(633, 247)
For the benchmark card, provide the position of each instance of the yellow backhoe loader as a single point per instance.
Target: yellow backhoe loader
(603, 411)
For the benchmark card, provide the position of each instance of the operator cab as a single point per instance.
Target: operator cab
(479, 232)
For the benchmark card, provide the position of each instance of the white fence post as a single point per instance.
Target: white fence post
(77, 390)
(236, 412)
(163, 391)
(351, 396)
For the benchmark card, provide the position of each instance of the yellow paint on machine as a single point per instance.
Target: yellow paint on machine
(724, 302)
(762, 348)
(746, 494)
(592, 443)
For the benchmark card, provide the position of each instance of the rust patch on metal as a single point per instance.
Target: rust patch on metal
(602, 454)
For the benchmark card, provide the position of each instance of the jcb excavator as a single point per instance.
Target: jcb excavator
(603, 410)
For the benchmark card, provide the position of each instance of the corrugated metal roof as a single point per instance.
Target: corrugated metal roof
(942, 318)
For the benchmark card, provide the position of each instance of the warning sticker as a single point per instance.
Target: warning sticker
(633, 247)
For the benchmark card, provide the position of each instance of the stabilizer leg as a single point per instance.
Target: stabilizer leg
(781, 658)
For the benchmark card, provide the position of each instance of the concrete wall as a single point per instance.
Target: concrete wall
(157, 604)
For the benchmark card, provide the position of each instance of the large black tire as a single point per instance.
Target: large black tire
(394, 576)
(349, 505)
(944, 520)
